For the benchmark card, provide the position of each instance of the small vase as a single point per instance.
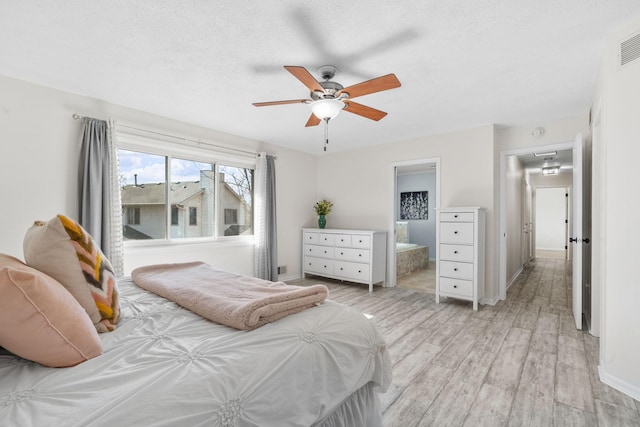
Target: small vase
(322, 221)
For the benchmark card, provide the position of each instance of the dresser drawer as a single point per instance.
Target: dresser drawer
(456, 253)
(352, 254)
(326, 239)
(352, 270)
(456, 216)
(318, 251)
(456, 232)
(310, 238)
(343, 240)
(318, 265)
(360, 241)
(463, 288)
(457, 270)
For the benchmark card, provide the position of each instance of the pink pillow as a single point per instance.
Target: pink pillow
(41, 321)
(64, 250)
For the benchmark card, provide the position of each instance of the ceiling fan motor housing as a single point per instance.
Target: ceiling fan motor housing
(330, 90)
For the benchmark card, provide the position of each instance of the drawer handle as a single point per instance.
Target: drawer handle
(325, 252)
(325, 266)
(455, 232)
(455, 286)
(455, 269)
(341, 253)
(359, 241)
(455, 252)
(455, 216)
(359, 255)
(340, 268)
(359, 271)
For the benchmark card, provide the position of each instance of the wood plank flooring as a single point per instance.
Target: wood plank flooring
(518, 363)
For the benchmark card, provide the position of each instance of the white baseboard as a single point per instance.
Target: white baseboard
(514, 277)
(286, 278)
(619, 384)
(490, 301)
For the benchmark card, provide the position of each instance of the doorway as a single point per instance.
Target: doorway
(573, 177)
(551, 219)
(412, 247)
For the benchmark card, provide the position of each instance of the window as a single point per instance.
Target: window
(236, 194)
(165, 197)
(133, 216)
(174, 215)
(231, 216)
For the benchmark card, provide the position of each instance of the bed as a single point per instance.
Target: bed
(166, 366)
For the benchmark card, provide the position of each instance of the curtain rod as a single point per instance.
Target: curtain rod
(77, 117)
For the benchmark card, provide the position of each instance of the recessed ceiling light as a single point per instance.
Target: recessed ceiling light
(551, 170)
(546, 153)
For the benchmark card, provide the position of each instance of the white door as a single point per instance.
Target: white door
(576, 232)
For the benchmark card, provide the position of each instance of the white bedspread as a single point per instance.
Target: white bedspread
(166, 366)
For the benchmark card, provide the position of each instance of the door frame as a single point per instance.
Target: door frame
(391, 240)
(502, 213)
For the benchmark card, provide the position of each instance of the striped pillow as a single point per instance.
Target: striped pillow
(62, 249)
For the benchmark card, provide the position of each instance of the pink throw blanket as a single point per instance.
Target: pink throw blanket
(241, 302)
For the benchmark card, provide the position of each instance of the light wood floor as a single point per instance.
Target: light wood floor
(518, 363)
(421, 281)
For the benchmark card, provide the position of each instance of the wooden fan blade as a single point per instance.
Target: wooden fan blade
(313, 121)
(363, 110)
(390, 81)
(291, 101)
(305, 77)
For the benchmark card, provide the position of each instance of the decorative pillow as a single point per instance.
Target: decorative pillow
(63, 249)
(41, 321)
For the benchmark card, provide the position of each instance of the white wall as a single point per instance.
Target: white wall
(551, 213)
(616, 206)
(514, 198)
(39, 154)
(363, 193)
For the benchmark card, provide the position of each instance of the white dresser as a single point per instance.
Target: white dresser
(352, 255)
(460, 256)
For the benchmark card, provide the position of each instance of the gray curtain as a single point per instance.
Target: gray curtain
(266, 250)
(99, 210)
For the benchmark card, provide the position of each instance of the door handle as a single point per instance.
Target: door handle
(586, 240)
(573, 239)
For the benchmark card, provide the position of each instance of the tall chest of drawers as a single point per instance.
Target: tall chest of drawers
(460, 257)
(351, 255)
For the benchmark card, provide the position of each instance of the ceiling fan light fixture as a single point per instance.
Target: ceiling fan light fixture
(326, 109)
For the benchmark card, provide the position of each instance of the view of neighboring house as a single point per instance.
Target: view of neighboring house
(192, 209)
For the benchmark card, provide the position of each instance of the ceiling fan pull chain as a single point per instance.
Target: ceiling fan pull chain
(326, 133)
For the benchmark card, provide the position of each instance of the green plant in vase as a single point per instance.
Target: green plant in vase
(323, 208)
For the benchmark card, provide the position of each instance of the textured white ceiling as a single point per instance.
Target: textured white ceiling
(461, 63)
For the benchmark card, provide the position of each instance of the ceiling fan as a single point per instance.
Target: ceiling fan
(328, 98)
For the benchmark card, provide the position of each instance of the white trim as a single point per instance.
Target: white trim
(619, 384)
(490, 301)
(391, 241)
(176, 147)
(514, 277)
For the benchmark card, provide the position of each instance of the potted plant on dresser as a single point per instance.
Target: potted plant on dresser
(323, 208)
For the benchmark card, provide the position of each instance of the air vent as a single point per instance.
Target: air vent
(630, 50)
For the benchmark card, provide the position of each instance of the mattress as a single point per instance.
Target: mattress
(166, 366)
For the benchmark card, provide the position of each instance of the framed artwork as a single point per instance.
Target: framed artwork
(414, 205)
